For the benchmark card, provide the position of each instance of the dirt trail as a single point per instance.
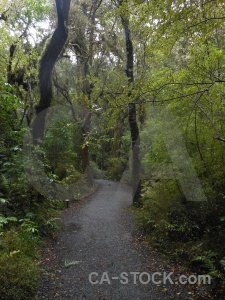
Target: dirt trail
(100, 233)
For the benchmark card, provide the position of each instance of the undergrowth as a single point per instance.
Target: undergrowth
(185, 232)
(20, 246)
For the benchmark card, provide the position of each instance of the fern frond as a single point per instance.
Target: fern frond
(5, 184)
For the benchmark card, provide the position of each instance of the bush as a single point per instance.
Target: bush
(96, 172)
(164, 217)
(116, 168)
(189, 231)
(72, 175)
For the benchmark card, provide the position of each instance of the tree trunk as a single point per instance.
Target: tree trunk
(12, 50)
(47, 63)
(117, 135)
(84, 49)
(132, 115)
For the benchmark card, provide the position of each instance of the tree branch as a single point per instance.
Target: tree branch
(219, 139)
(204, 21)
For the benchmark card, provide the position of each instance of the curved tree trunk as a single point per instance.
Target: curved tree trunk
(47, 63)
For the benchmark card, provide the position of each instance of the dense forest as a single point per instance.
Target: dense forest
(131, 91)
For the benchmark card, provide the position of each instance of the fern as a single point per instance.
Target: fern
(215, 274)
(6, 220)
(29, 226)
(207, 260)
(5, 184)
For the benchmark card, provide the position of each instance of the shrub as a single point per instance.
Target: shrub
(164, 217)
(116, 168)
(96, 172)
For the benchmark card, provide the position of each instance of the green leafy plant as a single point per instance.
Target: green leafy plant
(29, 226)
(6, 220)
(3, 201)
(53, 223)
(116, 168)
(207, 259)
(19, 270)
(208, 262)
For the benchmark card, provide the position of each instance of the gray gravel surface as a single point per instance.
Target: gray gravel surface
(99, 235)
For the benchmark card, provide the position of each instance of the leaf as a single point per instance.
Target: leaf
(14, 252)
(3, 201)
(69, 263)
(13, 219)
(3, 220)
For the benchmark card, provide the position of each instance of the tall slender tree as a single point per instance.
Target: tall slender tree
(132, 114)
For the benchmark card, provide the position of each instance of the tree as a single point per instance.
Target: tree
(132, 114)
(47, 63)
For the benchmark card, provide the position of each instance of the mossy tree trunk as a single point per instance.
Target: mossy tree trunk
(84, 48)
(118, 132)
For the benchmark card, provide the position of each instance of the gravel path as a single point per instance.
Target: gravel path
(100, 234)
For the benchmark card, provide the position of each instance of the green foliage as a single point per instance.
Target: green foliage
(193, 232)
(62, 147)
(179, 62)
(96, 172)
(208, 262)
(116, 168)
(159, 202)
(53, 223)
(3, 201)
(6, 220)
(71, 175)
(29, 226)
(20, 247)
(19, 270)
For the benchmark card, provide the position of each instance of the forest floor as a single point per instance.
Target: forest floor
(99, 235)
